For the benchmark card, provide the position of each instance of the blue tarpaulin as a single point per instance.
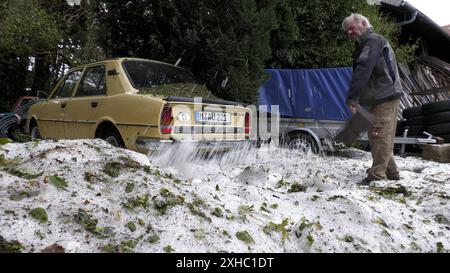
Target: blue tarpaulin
(308, 93)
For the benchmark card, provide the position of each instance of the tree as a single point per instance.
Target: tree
(13, 75)
(283, 38)
(318, 40)
(228, 45)
(224, 45)
(235, 39)
(26, 31)
(40, 39)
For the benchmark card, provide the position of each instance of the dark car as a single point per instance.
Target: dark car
(11, 123)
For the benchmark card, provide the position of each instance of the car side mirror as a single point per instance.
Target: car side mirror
(41, 94)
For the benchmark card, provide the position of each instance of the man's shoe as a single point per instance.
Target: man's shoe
(395, 177)
(366, 181)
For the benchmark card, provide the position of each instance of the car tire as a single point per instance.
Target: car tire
(435, 107)
(113, 137)
(412, 112)
(303, 142)
(436, 118)
(35, 133)
(439, 129)
(414, 121)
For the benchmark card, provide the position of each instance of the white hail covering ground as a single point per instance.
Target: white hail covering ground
(256, 201)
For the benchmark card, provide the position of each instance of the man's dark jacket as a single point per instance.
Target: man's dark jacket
(375, 76)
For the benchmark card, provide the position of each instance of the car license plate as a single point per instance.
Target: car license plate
(212, 117)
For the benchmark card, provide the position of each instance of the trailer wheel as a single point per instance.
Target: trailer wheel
(303, 142)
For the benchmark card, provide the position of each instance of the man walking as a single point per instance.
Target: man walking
(375, 83)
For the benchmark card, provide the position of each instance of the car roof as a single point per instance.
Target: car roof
(120, 59)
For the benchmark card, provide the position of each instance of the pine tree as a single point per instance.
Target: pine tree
(225, 45)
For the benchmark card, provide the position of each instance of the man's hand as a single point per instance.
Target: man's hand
(352, 108)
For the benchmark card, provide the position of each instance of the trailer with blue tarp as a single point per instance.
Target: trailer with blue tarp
(316, 94)
(310, 105)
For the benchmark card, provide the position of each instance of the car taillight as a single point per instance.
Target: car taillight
(166, 120)
(247, 123)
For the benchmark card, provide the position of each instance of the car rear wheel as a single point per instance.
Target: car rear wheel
(113, 137)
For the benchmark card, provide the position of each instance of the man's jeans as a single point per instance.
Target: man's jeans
(381, 137)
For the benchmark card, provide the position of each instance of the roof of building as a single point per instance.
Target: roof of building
(414, 24)
(446, 28)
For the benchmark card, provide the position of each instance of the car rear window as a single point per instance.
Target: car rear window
(146, 74)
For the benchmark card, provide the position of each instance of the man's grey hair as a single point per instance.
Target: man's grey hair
(358, 18)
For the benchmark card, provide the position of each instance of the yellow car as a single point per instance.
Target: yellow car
(138, 104)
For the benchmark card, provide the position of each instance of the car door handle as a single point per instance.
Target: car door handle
(94, 104)
(63, 104)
